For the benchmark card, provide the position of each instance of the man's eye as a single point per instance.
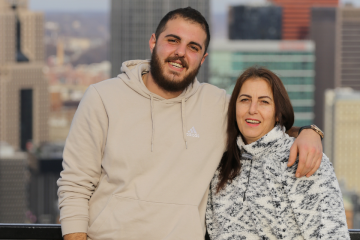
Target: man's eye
(194, 48)
(172, 40)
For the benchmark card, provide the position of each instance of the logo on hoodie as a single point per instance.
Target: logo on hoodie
(192, 133)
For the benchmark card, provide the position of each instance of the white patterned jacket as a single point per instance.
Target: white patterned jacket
(267, 201)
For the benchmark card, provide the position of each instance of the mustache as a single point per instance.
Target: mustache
(181, 59)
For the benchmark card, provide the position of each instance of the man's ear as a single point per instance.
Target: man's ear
(152, 42)
(203, 58)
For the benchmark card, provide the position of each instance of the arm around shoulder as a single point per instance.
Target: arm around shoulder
(82, 162)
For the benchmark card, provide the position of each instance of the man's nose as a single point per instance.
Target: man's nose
(180, 50)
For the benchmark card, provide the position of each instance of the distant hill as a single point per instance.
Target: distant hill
(95, 25)
(80, 24)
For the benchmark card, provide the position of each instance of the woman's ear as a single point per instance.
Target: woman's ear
(276, 120)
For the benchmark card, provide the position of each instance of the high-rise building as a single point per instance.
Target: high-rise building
(292, 61)
(23, 88)
(13, 182)
(133, 22)
(296, 16)
(254, 22)
(336, 33)
(342, 128)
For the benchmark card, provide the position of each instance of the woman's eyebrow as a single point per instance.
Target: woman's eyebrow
(265, 97)
(244, 95)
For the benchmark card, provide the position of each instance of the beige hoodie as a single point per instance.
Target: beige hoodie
(138, 166)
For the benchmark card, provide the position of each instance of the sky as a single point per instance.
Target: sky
(217, 6)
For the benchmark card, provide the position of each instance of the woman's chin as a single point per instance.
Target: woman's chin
(250, 139)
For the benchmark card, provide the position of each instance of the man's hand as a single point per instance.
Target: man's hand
(308, 146)
(75, 236)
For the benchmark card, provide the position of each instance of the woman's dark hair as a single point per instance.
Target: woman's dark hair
(230, 163)
(188, 14)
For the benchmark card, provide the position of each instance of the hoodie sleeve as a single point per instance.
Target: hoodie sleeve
(82, 162)
(317, 203)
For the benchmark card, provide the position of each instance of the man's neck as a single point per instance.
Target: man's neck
(154, 88)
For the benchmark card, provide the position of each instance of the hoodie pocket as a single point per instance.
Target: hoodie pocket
(126, 218)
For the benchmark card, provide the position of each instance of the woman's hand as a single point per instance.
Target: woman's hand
(308, 146)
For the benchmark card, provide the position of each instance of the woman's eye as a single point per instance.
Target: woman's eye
(266, 102)
(244, 100)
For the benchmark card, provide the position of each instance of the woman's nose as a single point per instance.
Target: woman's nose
(253, 107)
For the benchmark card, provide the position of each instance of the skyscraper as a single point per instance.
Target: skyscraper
(292, 61)
(342, 128)
(255, 22)
(23, 88)
(296, 16)
(13, 202)
(133, 22)
(336, 33)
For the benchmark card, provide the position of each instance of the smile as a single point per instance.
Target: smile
(252, 121)
(177, 65)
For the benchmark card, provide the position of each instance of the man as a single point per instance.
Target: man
(144, 146)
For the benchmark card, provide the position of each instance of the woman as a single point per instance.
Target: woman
(254, 195)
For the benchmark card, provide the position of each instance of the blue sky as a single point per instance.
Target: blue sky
(217, 6)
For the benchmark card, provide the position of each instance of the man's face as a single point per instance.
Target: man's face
(177, 54)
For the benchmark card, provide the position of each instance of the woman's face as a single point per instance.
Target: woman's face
(255, 109)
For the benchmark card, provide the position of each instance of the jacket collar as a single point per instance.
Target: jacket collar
(258, 147)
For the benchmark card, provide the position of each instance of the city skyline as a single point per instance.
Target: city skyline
(67, 42)
(216, 6)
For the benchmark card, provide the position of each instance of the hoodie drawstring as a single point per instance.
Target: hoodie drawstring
(152, 121)
(183, 120)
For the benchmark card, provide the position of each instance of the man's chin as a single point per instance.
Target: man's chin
(174, 77)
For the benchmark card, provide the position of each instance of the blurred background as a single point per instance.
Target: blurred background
(51, 51)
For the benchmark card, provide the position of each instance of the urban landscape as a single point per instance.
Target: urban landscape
(49, 58)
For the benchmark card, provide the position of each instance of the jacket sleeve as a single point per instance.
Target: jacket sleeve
(82, 162)
(317, 203)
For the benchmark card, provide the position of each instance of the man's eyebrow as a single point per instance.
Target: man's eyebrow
(178, 38)
(174, 36)
(197, 44)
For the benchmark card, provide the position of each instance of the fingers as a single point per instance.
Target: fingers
(293, 155)
(316, 166)
(301, 164)
(309, 147)
(309, 163)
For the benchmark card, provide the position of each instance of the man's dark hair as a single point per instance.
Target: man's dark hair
(188, 14)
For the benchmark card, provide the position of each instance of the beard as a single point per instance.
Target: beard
(169, 84)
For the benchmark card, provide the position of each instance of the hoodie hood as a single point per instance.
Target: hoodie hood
(131, 75)
(131, 72)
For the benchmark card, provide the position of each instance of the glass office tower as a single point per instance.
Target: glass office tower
(255, 22)
(292, 61)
